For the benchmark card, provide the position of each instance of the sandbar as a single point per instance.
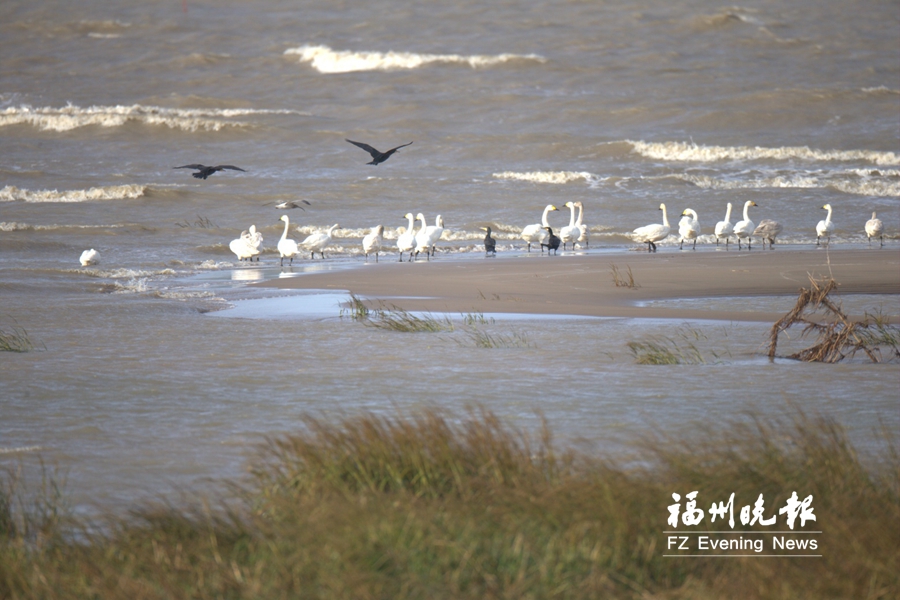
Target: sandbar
(583, 284)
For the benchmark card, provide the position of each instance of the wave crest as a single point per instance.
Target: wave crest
(555, 177)
(114, 192)
(689, 152)
(72, 117)
(326, 60)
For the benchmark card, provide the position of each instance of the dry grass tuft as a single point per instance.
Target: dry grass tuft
(623, 280)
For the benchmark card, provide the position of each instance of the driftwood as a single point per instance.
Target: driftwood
(838, 336)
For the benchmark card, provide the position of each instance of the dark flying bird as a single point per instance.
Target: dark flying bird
(490, 244)
(552, 242)
(290, 205)
(377, 156)
(203, 171)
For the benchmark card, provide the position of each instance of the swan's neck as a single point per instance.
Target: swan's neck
(572, 215)
(284, 235)
(580, 215)
(828, 216)
(747, 211)
(665, 216)
(728, 212)
(544, 217)
(873, 215)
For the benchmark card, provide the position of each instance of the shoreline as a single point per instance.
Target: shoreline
(583, 285)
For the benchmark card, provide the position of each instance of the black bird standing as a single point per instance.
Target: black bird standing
(377, 156)
(490, 244)
(552, 242)
(203, 171)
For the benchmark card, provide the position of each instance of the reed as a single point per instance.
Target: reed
(200, 223)
(483, 339)
(393, 318)
(14, 338)
(680, 350)
(437, 505)
(623, 280)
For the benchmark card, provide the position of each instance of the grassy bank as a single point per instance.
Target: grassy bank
(436, 506)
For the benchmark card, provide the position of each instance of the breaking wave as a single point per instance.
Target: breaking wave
(114, 192)
(72, 117)
(843, 182)
(326, 60)
(684, 151)
(555, 177)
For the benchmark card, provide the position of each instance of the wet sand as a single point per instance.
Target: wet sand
(572, 284)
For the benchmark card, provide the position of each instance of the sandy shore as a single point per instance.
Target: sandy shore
(583, 285)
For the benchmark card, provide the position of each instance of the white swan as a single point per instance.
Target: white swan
(287, 248)
(373, 241)
(316, 242)
(768, 230)
(422, 238)
(434, 233)
(724, 229)
(256, 240)
(585, 234)
(242, 247)
(89, 257)
(571, 232)
(826, 227)
(537, 232)
(875, 228)
(745, 227)
(689, 227)
(406, 241)
(653, 233)
(428, 235)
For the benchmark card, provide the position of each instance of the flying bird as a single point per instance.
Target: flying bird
(377, 155)
(203, 171)
(290, 205)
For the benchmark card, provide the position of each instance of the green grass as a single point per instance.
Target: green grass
(680, 350)
(392, 318)
(14, 338)
(432, 505)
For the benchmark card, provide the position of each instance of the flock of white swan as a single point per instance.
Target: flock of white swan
(745, 229)
(422, 240)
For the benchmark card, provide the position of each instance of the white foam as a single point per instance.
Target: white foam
(72, 117)
(555, 177)
(684, 151)
(881, 89)
(326, 60)
(20, 449)
(114, 192)
(859, 187)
